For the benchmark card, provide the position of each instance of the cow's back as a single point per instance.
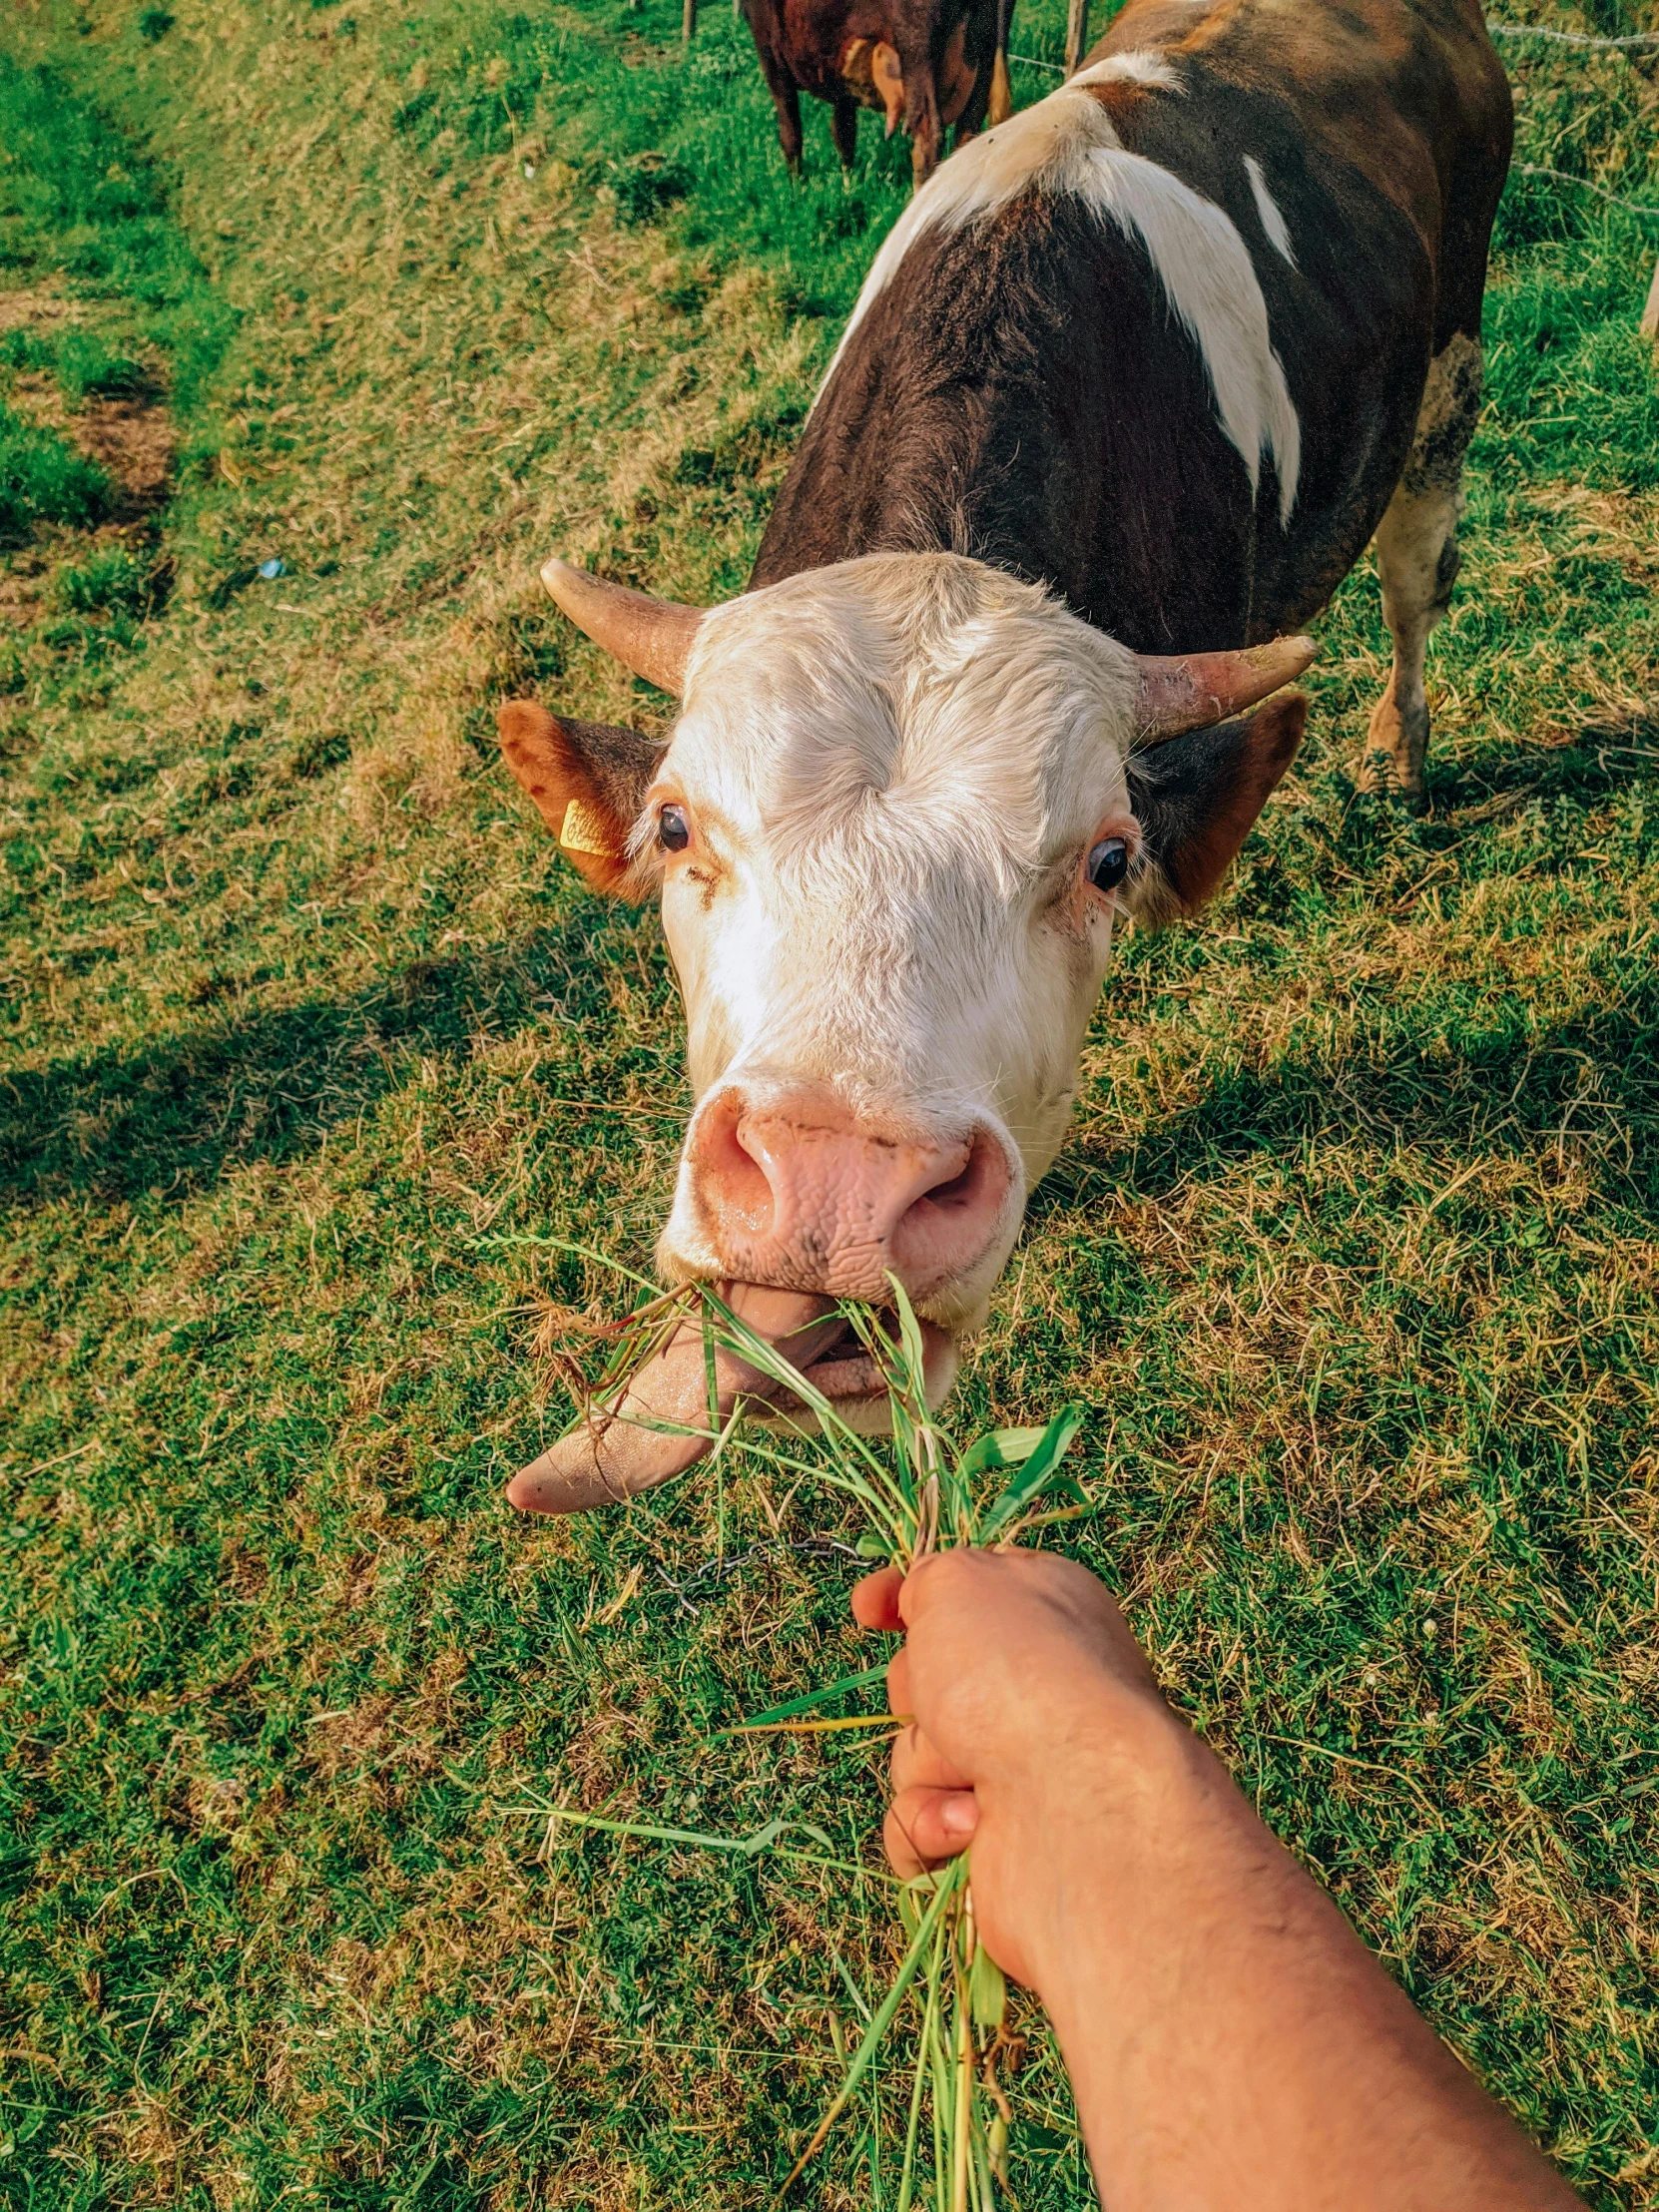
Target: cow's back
(1242, 269)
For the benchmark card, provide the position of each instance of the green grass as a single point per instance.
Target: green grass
(44, 478)
(309, 1037)
(81, 202)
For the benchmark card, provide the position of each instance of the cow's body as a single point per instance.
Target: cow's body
(1138, 373)
(1021, 384)
(927, 64)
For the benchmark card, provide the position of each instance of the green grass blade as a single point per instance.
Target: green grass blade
(807, 1701)
(738, 1336)
(891, 1721)
(929, 2030)
(577, 1251)
(952, 1880)
(747, 1847)
(860, 2004)
(1039, 1471)
(1002, 1447)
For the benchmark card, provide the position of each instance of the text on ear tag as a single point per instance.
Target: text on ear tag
(585, 832)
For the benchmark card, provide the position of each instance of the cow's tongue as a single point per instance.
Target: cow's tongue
(612, 1456)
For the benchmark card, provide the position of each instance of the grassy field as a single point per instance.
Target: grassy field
(309, 1038)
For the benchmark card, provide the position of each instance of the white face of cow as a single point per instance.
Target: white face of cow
(885, 789)
(892, 830)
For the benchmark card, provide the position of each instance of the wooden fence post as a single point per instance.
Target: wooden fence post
(1077, 35)
(688, 20)
(1650, 314)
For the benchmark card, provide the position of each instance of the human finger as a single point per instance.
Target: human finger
(924, 1825)
(875, 1599)
(898, 1682)
(919, 1763)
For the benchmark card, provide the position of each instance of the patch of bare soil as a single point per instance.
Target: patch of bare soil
(22, 581)
(131, 436)
(1616, 525)
(33, 311)
(133, 440)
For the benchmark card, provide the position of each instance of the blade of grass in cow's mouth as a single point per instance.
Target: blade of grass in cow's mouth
(666, 1412)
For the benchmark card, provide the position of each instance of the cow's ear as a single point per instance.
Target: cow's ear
(589, 782)
(1196, 798)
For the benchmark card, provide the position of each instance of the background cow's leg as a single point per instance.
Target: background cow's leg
(975, 59)
(921, 117)
(787, 100)
(844, 127)
(1417, 555)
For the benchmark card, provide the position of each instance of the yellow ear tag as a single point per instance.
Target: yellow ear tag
(586, 832)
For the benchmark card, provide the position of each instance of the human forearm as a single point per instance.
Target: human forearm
(1229, 2040)
(1232, 2044)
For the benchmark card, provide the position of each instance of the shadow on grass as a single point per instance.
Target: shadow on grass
(170, 1117)
(1593, 763)
(1505, 1087)
(167, 1118)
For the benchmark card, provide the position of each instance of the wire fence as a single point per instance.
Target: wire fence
(1637, 42)
(1584, 183)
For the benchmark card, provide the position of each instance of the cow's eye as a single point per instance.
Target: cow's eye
(1108, 863)
(673, 830)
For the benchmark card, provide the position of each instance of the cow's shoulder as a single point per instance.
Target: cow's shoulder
(1408, 95)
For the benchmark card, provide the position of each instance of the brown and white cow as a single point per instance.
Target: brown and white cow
(925, 64)
(1130, 387)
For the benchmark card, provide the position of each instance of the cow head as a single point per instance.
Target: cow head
(904, 804)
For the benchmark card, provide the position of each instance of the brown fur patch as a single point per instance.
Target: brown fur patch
(585, 775)
(1197, 799)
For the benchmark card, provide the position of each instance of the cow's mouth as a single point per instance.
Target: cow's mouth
(857, 1381)
(657, 1422)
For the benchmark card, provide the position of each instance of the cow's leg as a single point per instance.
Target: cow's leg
(844, 127)
(786, 101)
(922, 120)
(965, 84)
(786, 98)
(1416, 554)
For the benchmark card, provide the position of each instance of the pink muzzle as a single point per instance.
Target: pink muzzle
(793, 1190)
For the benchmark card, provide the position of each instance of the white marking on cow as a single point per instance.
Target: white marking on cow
(1066, 145)
(1272, 220)
(1140, 67)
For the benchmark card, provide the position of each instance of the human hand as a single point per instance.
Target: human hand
(1035, 1721)
(1230, 2041)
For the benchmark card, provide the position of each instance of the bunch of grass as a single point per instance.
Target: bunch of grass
(919, 1492)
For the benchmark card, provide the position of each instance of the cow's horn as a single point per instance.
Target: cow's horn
(1190, 691)
(651, 636)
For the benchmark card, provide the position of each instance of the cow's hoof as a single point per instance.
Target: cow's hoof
(1397, 746)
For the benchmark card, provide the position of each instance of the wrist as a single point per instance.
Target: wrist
(1116, 1793)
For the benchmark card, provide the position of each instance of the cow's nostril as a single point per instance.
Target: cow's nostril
(793, 1191)
(950, 1224)
(959, 1191)
(968, 1190)
(732, 1171)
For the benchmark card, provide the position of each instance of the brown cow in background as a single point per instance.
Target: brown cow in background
(927, 64)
